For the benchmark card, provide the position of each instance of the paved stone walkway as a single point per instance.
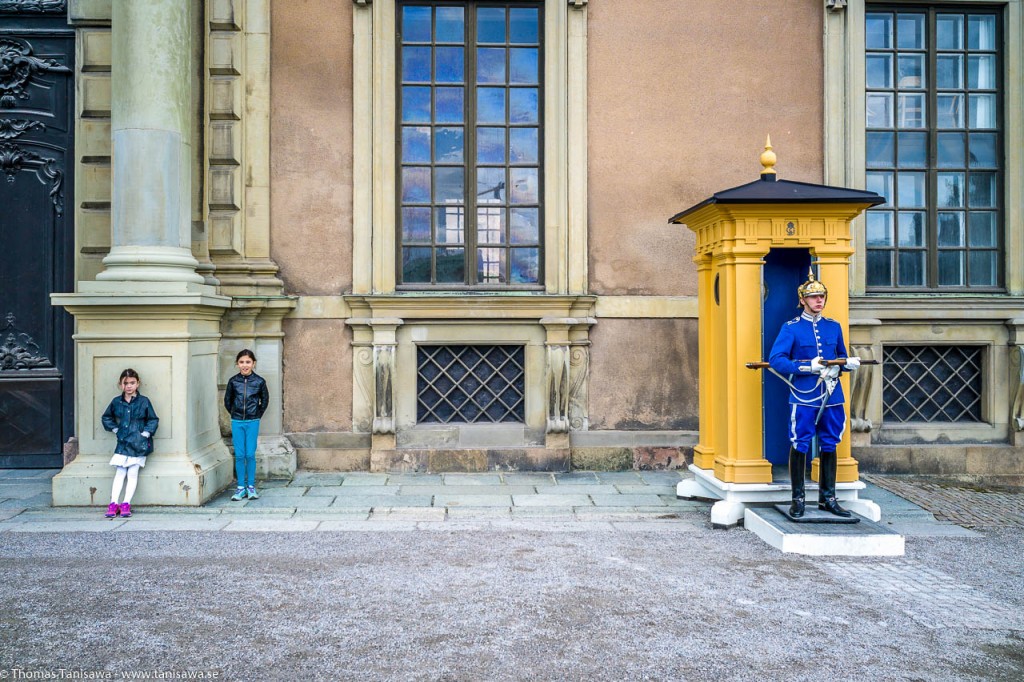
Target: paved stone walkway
(964, 504)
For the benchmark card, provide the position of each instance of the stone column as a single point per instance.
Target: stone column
(149, 309)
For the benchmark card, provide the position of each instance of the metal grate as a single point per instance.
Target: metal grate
(932, 383)
(470, 384)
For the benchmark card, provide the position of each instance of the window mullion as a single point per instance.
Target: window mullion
(931, 121)
(469, 231)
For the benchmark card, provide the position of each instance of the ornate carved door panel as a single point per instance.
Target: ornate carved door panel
(36, 231)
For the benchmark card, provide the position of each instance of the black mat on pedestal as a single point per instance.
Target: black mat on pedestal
(814, 515)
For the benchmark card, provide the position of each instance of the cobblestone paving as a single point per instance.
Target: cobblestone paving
(932, 598)
(963, 504)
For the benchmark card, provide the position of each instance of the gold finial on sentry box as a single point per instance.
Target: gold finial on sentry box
(768, 160)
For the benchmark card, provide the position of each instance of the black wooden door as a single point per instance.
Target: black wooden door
(36, 233)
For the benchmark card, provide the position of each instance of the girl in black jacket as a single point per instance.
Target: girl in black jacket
(133, 420)
(245, 399)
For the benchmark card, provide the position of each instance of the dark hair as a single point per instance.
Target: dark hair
(245, 352)
(129, 374)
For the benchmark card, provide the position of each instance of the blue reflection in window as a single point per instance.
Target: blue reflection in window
(449, 67)
(490, 145)
(416, 265)
(524, 266)
(983, 150)
(523, 25)
(416, 224)
(490, 185)
(490, 25)
(450, 25)
(523, 145)
(524, 225)
(522, 65)
(451, 265)
(448, 145)
(415, 185)
(448, 185)
(416, 144)
(448, 105)
(415, 24)
(523, 105)
(415, 64)
(415, 105)
(524, 185)
(913, 150)
(490, 65)
(490, 105)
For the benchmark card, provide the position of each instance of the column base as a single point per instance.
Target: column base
(744, 471)
(275, 458)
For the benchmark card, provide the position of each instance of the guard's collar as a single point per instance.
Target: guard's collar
(811, 318)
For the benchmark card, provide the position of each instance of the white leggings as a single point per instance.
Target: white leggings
(132, 473)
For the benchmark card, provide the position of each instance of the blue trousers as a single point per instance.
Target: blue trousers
(829, 429)
(243, 436)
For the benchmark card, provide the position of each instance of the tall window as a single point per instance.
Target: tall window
(934, 148)
(469, 147)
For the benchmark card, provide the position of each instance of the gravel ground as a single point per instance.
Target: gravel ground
(666, 603)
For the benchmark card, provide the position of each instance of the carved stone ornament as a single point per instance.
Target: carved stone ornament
(1017, 410)
(577, 4)
(861, 391)
(384, 393)
(17, 67)
(14, 158)
(18, 350)
(579, 371)
(558, 389)
(37, 6)
(363, 3)
(12, 128)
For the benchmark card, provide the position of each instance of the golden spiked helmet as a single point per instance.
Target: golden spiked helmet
(811, 287)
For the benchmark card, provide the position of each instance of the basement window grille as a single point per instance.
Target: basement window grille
(470, 384)
(932, 384)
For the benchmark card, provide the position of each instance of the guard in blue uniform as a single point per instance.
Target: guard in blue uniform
(798, 356)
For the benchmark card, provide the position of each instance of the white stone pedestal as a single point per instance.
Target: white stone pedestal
(734, 498)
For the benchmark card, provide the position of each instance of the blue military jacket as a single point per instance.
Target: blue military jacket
(804, 338)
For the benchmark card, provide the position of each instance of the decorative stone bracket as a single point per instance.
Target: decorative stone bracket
(375, 344)
(1017, 410)
(567, 367)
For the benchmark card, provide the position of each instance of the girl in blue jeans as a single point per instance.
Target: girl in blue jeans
(246, 398)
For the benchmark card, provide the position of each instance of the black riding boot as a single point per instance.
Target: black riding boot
(796, 478)
(827, 485)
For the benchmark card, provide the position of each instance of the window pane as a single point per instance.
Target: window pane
(879, 152)
(416, 24)
(982, 111)
(983, 229)
(879, 71)
(950, 147)
(415, 185)
(911, 230)
(416, 64)
(879, 110)
(490, 225)
(981, 71)
(951, 228)
(523, 105)
(524, 266)
(911, 268)
(416, 224)
(951, 268)
(449, 66)
(912, 150)
(449, 186)
(879, 228)
(415, 105)
(416, 265)
(451, 265)
(448, 105)
(523, 65)
(983, 268)
(490, 185)
(878, 31)
(950, 190)
(490, 105)
(983, 150)
(950, 110)
(981, 32)
(911, 190)
(524, 186)
(490, 145)
(416, 144)
(448, 145)
(450, 225)
(523, 25)
(910, 32)
(523, 145)
(949, 29)
(911, 111)
(525, 226)
(490, 65)
(450, 25)
(881, 184)
(490, 266)
(879, 265)
(949, 71)
(911, 68)
(490, 24)
(983, 190)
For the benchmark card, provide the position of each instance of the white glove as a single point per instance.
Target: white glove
(145, 434)
(816, 365)
(114, 431)
(852, 362)
(830, 372)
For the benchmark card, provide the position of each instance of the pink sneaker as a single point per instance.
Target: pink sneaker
(126, 510)
(113, 510)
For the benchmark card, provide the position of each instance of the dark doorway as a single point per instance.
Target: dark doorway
(36, 233)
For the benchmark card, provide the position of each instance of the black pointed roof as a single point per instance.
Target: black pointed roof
(768, 190)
